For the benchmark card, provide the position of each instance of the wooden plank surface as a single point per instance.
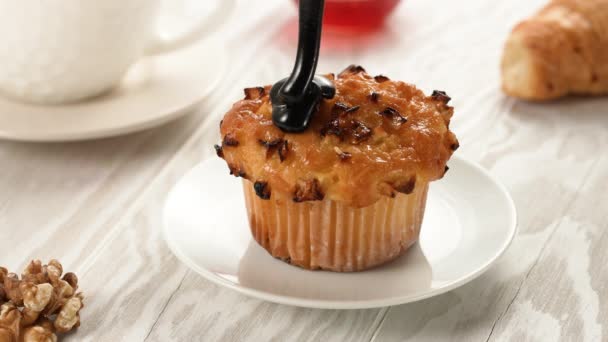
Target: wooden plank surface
(96, 205)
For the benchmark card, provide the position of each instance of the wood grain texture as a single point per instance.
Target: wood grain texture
(547, 180)
(96, 205)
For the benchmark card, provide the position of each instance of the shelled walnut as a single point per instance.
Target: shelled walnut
(11, 287)
(35, 273)
(40, 304)
(3, 273)
(69, 316)
(35, 299)
(43, 331)
(10, 322)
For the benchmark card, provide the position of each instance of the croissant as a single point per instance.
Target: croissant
(561, 50)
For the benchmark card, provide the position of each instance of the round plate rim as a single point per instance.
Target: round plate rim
(174, 113)
(348, 305)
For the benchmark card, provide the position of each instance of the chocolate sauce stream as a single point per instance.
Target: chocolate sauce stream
(296, 98)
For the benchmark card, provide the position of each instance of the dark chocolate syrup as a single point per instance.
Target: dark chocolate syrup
(296, 98)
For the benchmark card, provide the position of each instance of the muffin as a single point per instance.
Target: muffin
(349, 192)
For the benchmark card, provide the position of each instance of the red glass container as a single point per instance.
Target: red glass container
(361, 15)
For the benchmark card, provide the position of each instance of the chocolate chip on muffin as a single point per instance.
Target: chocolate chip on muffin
(308, 190)
(393, 115)
(254, 93)
(405, 186)
(279, 145)
(262, 190)
(344, 126)
(351, 109)
(270, 144)
(441, 96)
(351, 69)
(283, 150)
(374, 97)
(359, 132)
(341, 154)
(218, 151)
(381, 78)
(237, 171)
(230, 140)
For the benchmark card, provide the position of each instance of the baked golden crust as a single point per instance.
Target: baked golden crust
(561, 50)
(375, 138)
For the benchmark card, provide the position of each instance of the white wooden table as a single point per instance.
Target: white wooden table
(96, 205)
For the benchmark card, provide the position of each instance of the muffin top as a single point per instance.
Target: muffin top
(375, 138)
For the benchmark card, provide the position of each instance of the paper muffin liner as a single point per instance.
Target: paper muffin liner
(333, 236)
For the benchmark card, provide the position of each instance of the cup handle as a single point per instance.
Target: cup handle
(208, 24)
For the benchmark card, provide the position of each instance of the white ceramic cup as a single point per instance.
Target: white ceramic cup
(60, 51)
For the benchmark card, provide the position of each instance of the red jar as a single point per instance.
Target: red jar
(357, 14)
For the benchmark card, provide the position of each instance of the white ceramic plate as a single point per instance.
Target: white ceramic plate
(154, 91)
(470, 220)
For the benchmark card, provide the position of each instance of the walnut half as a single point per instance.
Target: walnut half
(35, 299)
(3, 273)
(69, 316)
(10, 322)
(42, 332)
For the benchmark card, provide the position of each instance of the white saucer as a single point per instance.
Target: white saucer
(470, 220)
(155, 91)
